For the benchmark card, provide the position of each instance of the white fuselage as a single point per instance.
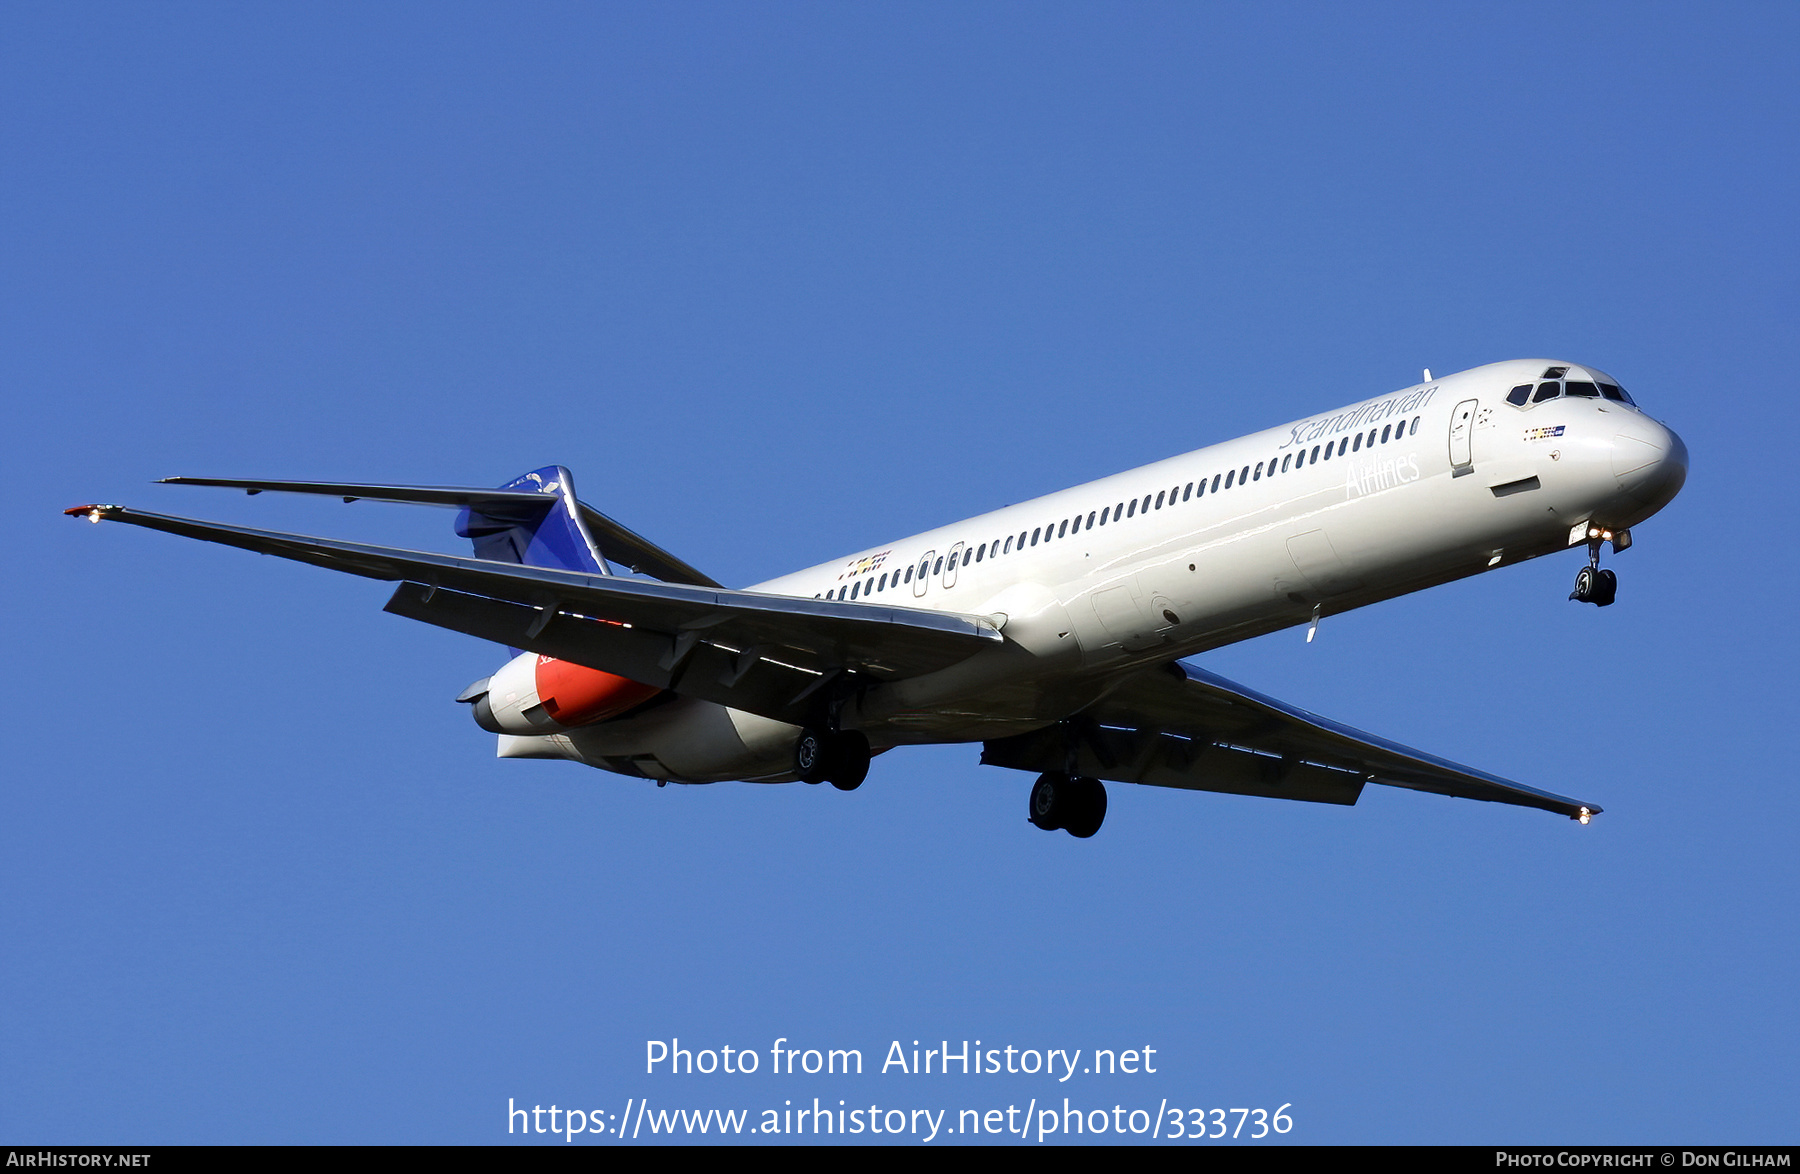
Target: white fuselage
(1421, 486)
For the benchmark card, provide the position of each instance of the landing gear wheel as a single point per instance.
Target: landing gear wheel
(1074, 805)
(1052, 797)
(812, 756)
(1090, 809)
(1596, 586)
(1585, 580)
(849, 764)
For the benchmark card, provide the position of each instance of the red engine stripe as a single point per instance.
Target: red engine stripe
(575, 695)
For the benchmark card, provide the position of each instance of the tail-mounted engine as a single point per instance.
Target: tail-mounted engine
(536, 694)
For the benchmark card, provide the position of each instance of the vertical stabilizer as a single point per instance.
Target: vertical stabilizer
(548, 535)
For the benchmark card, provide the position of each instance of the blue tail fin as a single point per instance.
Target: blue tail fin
(548, 535)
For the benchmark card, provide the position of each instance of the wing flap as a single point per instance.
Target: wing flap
(1181, 726)
(1159, 758)
(750, 678)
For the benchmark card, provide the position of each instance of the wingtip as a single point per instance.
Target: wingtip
(92, 513)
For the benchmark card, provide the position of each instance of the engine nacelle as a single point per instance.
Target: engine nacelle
(536, 694)
(686, 741)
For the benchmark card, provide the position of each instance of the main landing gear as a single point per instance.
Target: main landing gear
(840, 758)
(1593, 584)
(1074, 804)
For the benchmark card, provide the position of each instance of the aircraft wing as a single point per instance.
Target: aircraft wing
(1181, 726)
(616, 542)
(762, 653)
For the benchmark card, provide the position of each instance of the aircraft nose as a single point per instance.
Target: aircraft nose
(1649, 461)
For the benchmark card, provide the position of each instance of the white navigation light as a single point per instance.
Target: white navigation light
(1585, 815)
(94, 515)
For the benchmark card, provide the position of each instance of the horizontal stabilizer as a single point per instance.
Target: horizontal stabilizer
(617, 543)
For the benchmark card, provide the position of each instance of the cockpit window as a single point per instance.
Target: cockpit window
(1615, 392)
(1518, 395)
(1547, 391)
(1582, 388)
(1554, 373)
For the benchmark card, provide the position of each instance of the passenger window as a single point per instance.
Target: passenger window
(1230, 476)
(1243, 474)
(1342, 445)
(1258, 475)
(1371, 438)
(1007, 549)
(1582, 388)
(1357, 447)
(1518, 395)
(1159, 501)
(1546, 391)
(1146, 506)
(939, 568)
(841, 591)
(1414, 430)
(908, 574)
(1034, 535)
(1315, 454)
(1188, 492)
(1021, 540)
(967, 555)
(1200, 491)
(1286, 461)
(981, 552)
(856, 589)
(1215, 484)
(881, 583)
(1384, 433)
(1131, 510)
(1103, 515)
(1090, 519)
(1063, 529)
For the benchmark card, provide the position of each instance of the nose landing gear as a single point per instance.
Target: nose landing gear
(1594, 584)
(1076, 805)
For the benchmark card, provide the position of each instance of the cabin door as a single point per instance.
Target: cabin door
(1462, 429)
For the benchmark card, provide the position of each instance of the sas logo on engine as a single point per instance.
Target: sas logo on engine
(1543, 433)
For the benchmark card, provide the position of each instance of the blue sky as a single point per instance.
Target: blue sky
(779, 282)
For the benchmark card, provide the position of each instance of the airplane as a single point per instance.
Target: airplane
(1053, 632)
